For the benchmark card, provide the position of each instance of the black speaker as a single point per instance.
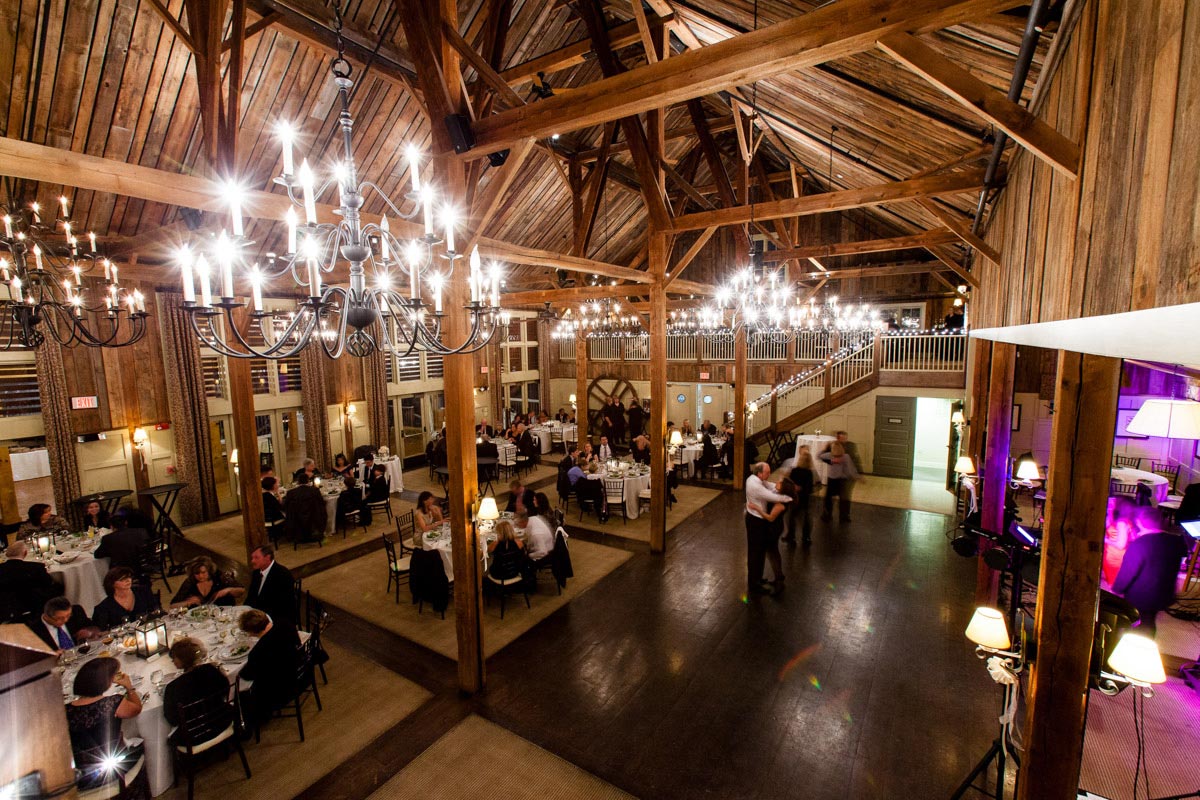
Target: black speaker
(459, 128)
(498, 159)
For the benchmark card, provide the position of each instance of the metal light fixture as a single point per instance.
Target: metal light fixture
(600, 319)
(51, 283)
(764, 306)
(1135, 661)
(1167, 418)
(342, 318)
(150, 636)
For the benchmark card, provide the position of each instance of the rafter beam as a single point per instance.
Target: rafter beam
(841, 200)
(715, 125)
(990, 104)
(517, 254)
(945, 256)
(910, 242)
(486, 206)
(482, 68)
(539, 296)
(688, 257)
(876, 271)
(573, 54)
(961, 229)
(832, 31)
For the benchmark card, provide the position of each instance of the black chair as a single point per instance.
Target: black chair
(298, 598)
(316, 620)
(588, 503)
(399, 569)
(558, 563)
(614, 495)
(507, 574)
(306, 684)
(384, 505)
(428, 581)
(205, 724)
(406, 532)
(276, 529)
(1166, 470)
(153, 562)
(562, 485)
(1127, 461)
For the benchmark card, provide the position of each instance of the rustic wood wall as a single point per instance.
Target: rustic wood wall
(1124, 235)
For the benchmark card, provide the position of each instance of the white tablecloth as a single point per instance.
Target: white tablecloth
(83, 577)
(633, 485)
(689, 454)
(440, 541)
(1160, 487)
(30, 464)
(542, 435)
(331, 501)
(395, 472)
(816, 445)
(151, 725)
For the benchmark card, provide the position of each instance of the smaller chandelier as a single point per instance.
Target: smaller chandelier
(764, 306)
(600, 319)
(54, 285)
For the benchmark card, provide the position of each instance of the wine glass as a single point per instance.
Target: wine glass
(156, 678)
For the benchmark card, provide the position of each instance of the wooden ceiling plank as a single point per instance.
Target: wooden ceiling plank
(173, 24)
(574, 54)
(1029, 131)
(688, 257)
(840, 200)
(496, 193)
(830, 32)
(482, 68)
(910, 242)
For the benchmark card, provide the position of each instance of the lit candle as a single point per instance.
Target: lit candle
(205, 282)
(37, 256)
(185, 262)
(475, 274)
(413, 256)
(140, 301)
(7, 226)
(435, 281)
(496, 285)
(414, 161)
(92, 239)
(225, 255)
(384, 233)
(78, 274)
(107, 270)
(235, 209)
(67, 231)
(152, 641)
(306, 183)
(448, 220)
(314, 271)
(63, 202)
(291, 228)
(16, 289)
(427, 200)
(256, 288)
(114, 273)
(286, 135)
(4, 267)
(37, 212)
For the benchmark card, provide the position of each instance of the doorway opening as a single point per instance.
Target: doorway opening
(932, 440)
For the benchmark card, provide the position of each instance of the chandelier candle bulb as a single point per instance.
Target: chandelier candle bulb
(286, 135)
(414, 160)
(7, 226)
(314, 274)
(62, 200)
(306, 184)
(140, 300)
(475, 274)
(256, 288)
(427, 202)
(92, 240)
(108, 270)
(189, 286)
(37, 256)
(16, 289)
(37, 211)
(235, 211)
(435, 281)
(205, 282)
(448, 221)
(78, 274)
(226, 256)
(384, 233)
(4, 268)
(292, 222)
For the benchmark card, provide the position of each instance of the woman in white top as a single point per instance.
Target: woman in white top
(539, 538)
(428, 513)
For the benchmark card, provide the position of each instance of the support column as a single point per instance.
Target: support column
(977, 412)
(995, 468)
(241, 403)
(1069, 584)
(658, 392)
(739, 409)
(581, 386)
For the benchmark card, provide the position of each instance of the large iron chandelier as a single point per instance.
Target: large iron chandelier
(767, 306)
(358, 318)
(53, 284)
(600, 319)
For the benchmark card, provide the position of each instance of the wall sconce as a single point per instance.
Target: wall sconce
(233, 460)
(351, 410)
(140, 438)
(964, 466)
(958, 418)
(1136, 661)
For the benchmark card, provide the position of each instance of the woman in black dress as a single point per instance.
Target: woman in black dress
(94, 723)
(342, 468)
(199, 681)
(125, 602)
(799, 484)
(272, 508)
(95, 517)
(205, 585)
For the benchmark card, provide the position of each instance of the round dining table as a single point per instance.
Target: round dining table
(439, 539)
(1160, 487)
(633, 482)
(81, 572)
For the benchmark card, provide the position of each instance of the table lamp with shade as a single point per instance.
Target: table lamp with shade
(488, 513)
(988, 629)
(1167, 418)
(1027, 471)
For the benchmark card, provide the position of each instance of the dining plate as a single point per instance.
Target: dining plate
(234, 652)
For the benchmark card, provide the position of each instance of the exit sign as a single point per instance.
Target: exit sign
(81, 403)
(703, 376)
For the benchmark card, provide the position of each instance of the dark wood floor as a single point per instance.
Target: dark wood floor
(668, 682)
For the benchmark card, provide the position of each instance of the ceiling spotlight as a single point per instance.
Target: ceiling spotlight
(554, 137)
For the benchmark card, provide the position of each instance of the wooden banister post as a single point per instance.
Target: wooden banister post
(739, 409)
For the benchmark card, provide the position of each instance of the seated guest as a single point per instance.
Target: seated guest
(199, 681)
(378, 489)
(484, 429)
(309, 470)
(24, 585)
(486, 448)
(539, 538)
(605, 452)
(304, 510)
(126, 546)
(41, 522)
(342, 467)
(686, 429)
(204, 585)
(266, 471)
(562, 416)
(364, 470)
(641, 450)
(272, 664)
(588, 453)
(272, 588)
(94, 516)
(585, 488)
(62, 625)
(543, 417)
(125, 602)
(94, 724)
(525, 444)
(272, 507)
(725, 457)
(515, 490)
(568, 460)
(670, 429)
(351, 500)
(428, 514)
(506, 540)
(709, 457)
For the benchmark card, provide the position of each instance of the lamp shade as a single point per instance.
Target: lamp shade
(572, 399)
(988, 629)
(1137, 658)
(676, 438)
(957, 418)
(140, 437)
(1171, 419)
(487, 509)
(964, 466)
(1027, 471)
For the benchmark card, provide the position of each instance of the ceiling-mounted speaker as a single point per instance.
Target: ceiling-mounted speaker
(498, 159)
(461, 135)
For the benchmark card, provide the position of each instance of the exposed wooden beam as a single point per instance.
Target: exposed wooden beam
(877, 271)
(593, 192)
(712, 157)
(174, 25)
(574, 294)
(256, 27)
(639, 16)
(573, 54)
(969, 157)
(715, 125)
(841, 200)
(832, 31)
(482, 68)
(693, 287)
(910, 242)
(544, 258)
(690, 256)
(1028, 130)
(424, 45)
(944, 255)
(961, 229)
(486, 206)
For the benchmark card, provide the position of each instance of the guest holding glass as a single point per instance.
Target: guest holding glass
(428, 514)
(205, 585)
(125, 602)
(94, 724)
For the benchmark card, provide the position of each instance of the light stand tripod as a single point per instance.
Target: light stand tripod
(1010, 662)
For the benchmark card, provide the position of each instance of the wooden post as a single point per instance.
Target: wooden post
(658, 392)
(995, 470)
(581, 386)
(977, 413)
(739, 408)
(1072, 550)
(245, 434)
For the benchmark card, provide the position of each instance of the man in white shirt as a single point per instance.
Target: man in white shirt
(539, 539)
(760, 496)
(605, 450)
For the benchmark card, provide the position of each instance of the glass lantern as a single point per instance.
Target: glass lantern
(151, 635)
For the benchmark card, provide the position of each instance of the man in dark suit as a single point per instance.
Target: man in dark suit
(637, 419)
(304, 511)
(486, 448)
(24, 585)
(272, 588)
(62, 625)
(525, 444)
(485, 429)
(1151, 565)
(272, 664)
(124, 546)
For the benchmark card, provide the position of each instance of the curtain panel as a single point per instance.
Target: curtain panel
(313, 376)
(375, 383)
(56, 418)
